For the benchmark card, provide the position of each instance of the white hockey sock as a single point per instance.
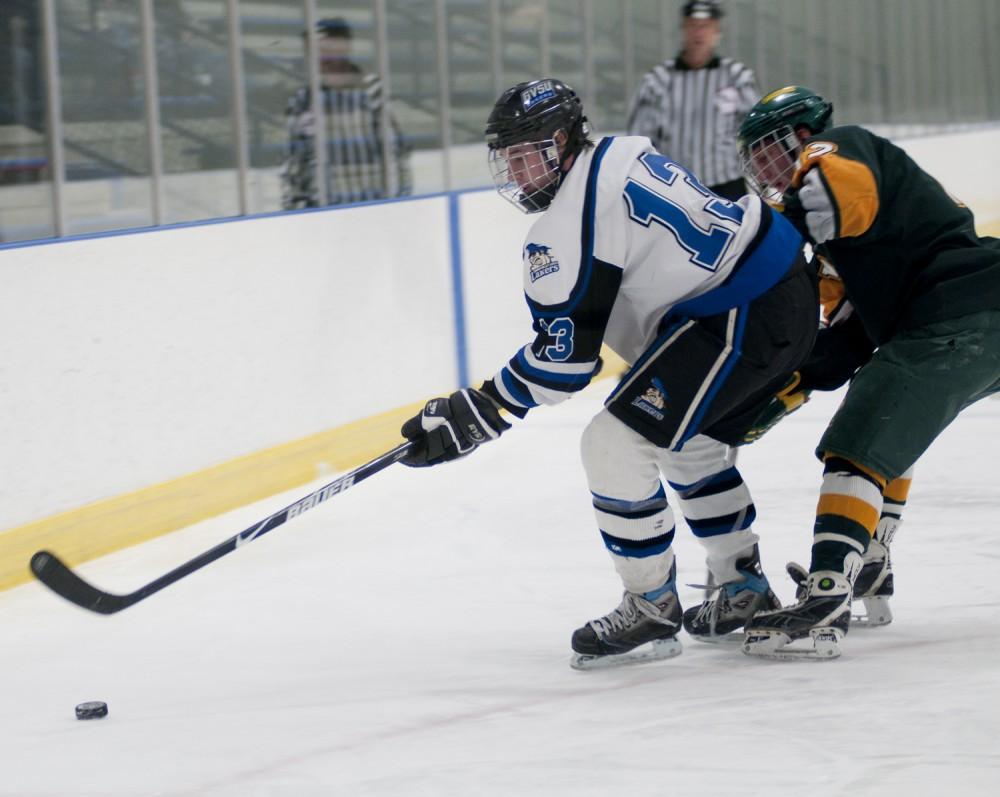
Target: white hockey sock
(723, 550)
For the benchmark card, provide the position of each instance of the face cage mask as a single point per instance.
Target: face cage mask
(769, 163)
(529, 179)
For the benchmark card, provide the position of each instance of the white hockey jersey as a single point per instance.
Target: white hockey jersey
(631, 242)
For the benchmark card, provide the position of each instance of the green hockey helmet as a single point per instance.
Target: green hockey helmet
(768, 141)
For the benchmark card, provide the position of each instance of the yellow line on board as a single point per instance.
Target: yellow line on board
(106, 526)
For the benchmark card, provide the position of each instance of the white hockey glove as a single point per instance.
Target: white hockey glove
(820, 217)
(449, 428)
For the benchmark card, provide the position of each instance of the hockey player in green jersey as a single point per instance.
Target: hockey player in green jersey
(842, 346)
(925, 293)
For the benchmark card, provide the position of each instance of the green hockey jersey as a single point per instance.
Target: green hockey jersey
(907, 252)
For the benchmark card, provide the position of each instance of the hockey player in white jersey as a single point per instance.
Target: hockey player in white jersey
(713, 305)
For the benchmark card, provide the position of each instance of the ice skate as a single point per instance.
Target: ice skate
(822, 616)
(799, 575)
(874, 585)
(728, 607)
(638, 630)
(874, 588)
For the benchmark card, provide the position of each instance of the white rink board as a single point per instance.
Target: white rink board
(966, 165)
(129, 360)
(497, 317)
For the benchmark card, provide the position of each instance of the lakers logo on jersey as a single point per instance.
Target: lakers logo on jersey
(653, 400)
(541, 261)
(654, 397)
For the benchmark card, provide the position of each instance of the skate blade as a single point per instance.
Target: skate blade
(775, 645)
(656, 650)
(730, 640)
(877, 613)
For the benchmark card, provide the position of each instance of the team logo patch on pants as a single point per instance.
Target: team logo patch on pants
(652, 401)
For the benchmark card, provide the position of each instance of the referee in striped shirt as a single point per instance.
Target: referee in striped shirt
(691, 106)
(355, 114)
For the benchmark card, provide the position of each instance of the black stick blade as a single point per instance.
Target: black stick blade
(55, 575)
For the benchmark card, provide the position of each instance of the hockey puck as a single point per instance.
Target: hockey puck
(92, 710)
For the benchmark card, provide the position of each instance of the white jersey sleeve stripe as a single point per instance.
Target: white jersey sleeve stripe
(514, 390)
(557, 368)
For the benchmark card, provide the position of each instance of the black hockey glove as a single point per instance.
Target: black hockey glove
(449, 428)
(784, 402)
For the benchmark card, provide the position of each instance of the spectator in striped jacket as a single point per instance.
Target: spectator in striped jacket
(691, 106)
(355, 115)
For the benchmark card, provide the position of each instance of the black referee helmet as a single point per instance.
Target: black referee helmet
(333, 27)
(703, 9)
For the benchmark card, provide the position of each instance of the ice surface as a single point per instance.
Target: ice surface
(411, 637)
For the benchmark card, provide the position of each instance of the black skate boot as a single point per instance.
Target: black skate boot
(732, 604)
(874, 584)
(822, 614)
(640, 629)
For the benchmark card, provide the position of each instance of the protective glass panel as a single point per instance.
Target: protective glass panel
(566, 47)
(863, 73)
(740, 30)
(274, 71)
(609, 93)
(199, 142)
(524, 41)
(473, 90)
(988, 23)
(797, 24)
(647, 47)
(939, 88)
(25, 178)
(104, 115)
(412, 34)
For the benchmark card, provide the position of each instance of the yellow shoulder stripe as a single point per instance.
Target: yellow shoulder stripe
(853, 187)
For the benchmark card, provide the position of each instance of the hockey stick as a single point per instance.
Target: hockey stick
(55, 575)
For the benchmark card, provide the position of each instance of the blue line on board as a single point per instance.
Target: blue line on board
(458, 294)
